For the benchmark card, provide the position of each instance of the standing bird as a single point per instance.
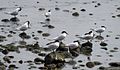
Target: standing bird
(54, 46)
(24, 27)
(87, 36)
(60, 38)
(73, 45)
(100, 30)
(15, 12)
(48, 13)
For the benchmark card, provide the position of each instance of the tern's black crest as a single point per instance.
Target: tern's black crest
(19, 8)
(64, 32)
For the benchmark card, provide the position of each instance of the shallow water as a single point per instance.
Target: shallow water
(102, 15)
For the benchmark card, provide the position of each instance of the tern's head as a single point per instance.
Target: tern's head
(49, 10)
(76, 41)
(19, 9)
(64, 32)
(103, 27)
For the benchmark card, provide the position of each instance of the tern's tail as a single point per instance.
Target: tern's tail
(7, 13)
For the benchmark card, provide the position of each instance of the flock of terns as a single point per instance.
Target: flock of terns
(89, 36)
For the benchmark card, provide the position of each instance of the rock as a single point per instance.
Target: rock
(45, 34)
(43, 68)
(97, 63)
(50, 26)
(5, 52)
(41, 9)
(38, 60)
(90, 13)
(116, 37)
(9, 35)
(74, 8)
(105, 48)
(11, 57)
(12, 66)
(6, 59)
(20, 61)
(103, 44)
(118, 15)
(114, 64)
(42, 54)
(48, 19)
(57, 8)
(83, 10)
(75, 14)
(11, 47)
(80, 61)
(39, 31)
(99, 37)
(5, 20)
(36, 38)
(101, 68)
(90, 64)
(118, 8)
(14, 19)
(89, 44)
(66, 11)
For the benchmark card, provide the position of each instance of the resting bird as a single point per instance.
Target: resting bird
(48, 13)
(24, 27)
(15, 12)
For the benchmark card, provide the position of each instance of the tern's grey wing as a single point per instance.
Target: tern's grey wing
(99, 30)
(52, 47)
(72, 46)
(60, 38)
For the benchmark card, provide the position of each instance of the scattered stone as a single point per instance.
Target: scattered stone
(116, 37)
(43, 68)
(107, 35)
(12, 66)
(36, 38)
(41, 9)
(39, 31)
(118, 8)
(11, 57)
(2, 9)
(102, 68)
(9, 35)
(5, 20)
(45, 34)
(5, 52)
(83, 10)
(75, 14)
(14, 19)
(113, 51)
(50, 26)
(48, 19)
(98, 4)
(82, 65)
(74, 8)
(66, 11)
(99, 37)
(12, 32)
(113, 16)
(118, 15)
(6, 59)
(103, 44)
(80, 61)
(38, 60)
(115, 48)
(111, 55)
(90, 64)
(20, 61)
(42, 54)
(97, 63)
(90, 13)
(114, 64)
(57, 8)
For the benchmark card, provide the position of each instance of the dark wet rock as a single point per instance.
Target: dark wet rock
(43, 68)
(20, 61)
(2, 66)
(42, 54)
(66, 10)
(101, 68)
(23, 15)
(116, 37)
(74, 8)
(32, 67)
(38, 2)
(105, 48)
(113, 16)
(94, 1)
(57, 8)
(113, 51)
(118, 15)
(12, 66)
(83, 10)
(11, 57)
(103, 44)
(23, 35)
(115, 48)
(36, 38)
(5, 20)
(38, 60)
(90, 64)
(48, 19)
(9, 35)
(12, 32)
(41, 9)
(2, 9)
(75, 14)
(89, 44)
(98, 55)
(39, 31)
(107, 35)
(97, 63)
(82, 65)
(45, 34)
(110, 55)
(7, 59)
(29, 61)
(71, 62)
(5, 52)
(54, 58)
(114, 64)
(86, 50)
(22, 43)
(98, 4)
(118, 8)
(14, 19)
(80, 61)
(51, 26)
(90, 13)
(75, 67)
